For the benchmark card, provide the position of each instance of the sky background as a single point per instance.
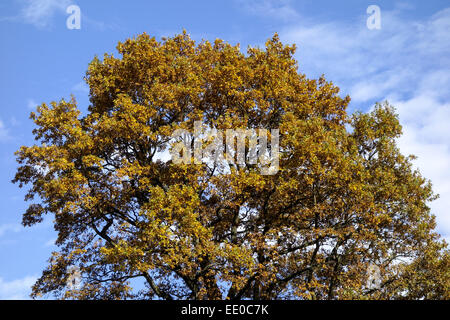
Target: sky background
(407, 62)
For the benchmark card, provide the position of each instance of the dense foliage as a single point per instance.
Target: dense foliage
(344, 198)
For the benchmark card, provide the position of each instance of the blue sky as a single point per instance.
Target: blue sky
(407, 61)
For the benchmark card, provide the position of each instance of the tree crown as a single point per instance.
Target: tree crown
(344, 199)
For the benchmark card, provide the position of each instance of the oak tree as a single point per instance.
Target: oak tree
(345, 199)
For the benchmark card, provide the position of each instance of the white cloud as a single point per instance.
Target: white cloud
(19, 289)
(372, 63)
(426, 132)
(40, 12)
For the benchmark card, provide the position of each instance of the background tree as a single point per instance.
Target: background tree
(344, 198)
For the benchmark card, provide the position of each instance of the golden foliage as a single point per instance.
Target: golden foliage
(343, 199)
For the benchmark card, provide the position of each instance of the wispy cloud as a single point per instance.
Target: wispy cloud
(18, 289)
(40, 12)
(373, 63)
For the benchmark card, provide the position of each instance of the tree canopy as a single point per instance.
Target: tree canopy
(344, 200)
